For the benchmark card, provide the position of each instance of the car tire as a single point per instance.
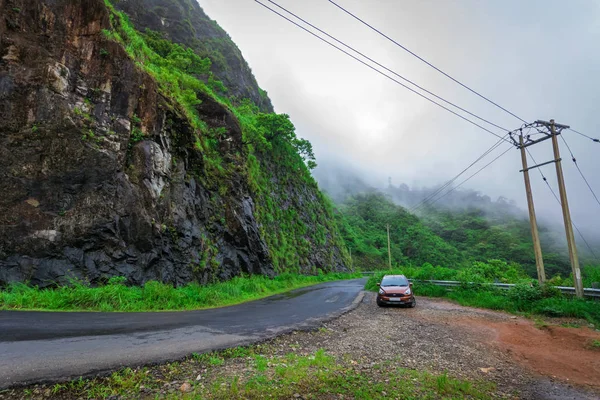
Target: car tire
(413, 304)
(380, 304)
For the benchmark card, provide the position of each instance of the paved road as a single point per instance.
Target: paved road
(43, 347)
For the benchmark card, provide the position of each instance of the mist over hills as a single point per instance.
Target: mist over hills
(471, 225)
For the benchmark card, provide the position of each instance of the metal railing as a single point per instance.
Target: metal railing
(587, 292)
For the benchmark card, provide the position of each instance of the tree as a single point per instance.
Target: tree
(268, 128)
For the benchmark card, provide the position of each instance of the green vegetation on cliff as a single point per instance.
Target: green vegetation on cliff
(296, 219)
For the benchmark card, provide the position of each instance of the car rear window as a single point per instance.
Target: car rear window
(394, 281)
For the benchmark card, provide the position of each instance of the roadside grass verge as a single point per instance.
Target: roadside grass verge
(156, 296)
(257, 373)
(523, 298)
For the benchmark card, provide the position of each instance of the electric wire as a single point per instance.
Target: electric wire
(470, 177)
(560, 203)
(384, 67)
(579, 169)
(444, 186)
(584, 135)
(429, 198)
(425, 61)
(380, 72)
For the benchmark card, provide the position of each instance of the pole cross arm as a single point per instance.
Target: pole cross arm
(546, 123)
(541, 165)
(538, 141)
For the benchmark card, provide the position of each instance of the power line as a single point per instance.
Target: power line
(579, 169)
(560, 203)
(379, 72)
(440, 189)
(384, 67)
(584, 135)
(425, 61)
(470, 177)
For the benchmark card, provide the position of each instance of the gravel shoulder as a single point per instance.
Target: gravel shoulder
(472, 343)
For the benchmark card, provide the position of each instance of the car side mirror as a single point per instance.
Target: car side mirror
(410, 284)
(378, 284)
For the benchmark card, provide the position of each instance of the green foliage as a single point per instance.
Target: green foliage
(478, 247)
(492, 271)
(263, 130)
(363, 220)
(525, 296)
(175, 56)
(294, 215)
(283, 376)
(154, 296)
(173, 71)
(136, 135)
(276, 162)
(482, 235)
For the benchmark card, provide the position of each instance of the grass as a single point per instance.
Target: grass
(570, 325)
(595, 344)
(522, 298)
(155, 296)
(254, 373)
(540, 323)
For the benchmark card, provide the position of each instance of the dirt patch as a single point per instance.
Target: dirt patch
(550, 350)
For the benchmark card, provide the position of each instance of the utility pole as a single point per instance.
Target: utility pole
(566, 215)
(389, 248)
(551, 131)
(539, 260)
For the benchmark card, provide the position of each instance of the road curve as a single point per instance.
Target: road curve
(38, 347)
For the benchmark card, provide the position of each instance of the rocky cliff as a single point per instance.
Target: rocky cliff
(123, 153)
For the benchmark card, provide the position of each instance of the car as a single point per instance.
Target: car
(395, 289)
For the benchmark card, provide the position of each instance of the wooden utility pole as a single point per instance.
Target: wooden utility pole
(537, 248)
(389, 248)
(566, 215)
(552, 130)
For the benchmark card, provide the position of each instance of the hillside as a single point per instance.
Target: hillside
(363, 222)
(142, 147)
(448, 235)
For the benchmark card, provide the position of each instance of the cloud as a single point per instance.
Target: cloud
(537, 58)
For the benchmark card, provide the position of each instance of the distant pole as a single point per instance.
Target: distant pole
(389, 248)
(539, 261)
(566, 215)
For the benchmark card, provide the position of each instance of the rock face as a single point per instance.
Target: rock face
(184, 22)
(99, 176)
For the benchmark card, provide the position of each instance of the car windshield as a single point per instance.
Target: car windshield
(394, 281)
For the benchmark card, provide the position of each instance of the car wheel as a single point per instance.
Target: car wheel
(413, 304)
(380, 304)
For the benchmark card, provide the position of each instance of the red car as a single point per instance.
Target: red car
(395, 289)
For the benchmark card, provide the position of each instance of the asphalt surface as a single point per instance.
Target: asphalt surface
(37, 347)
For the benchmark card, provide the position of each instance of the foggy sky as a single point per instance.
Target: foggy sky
(538, 58)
